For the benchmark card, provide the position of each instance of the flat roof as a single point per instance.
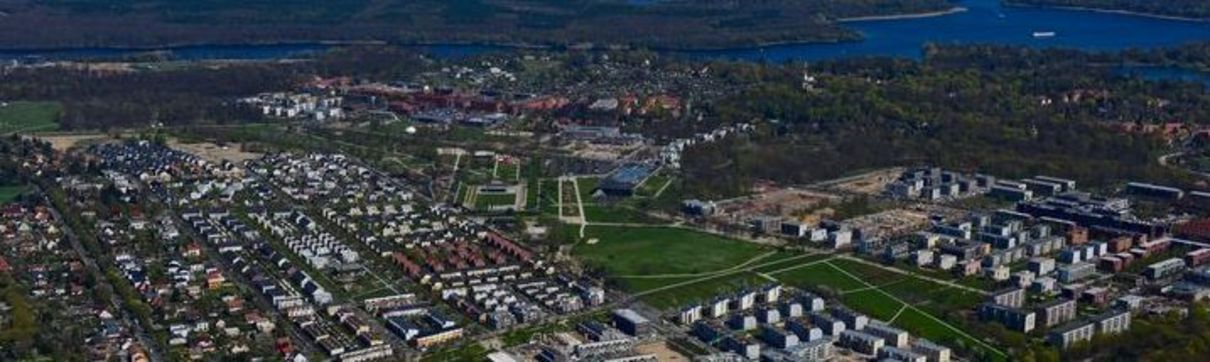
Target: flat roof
(631, 315)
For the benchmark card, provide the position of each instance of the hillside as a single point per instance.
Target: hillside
(664, 24)
(1193, 9)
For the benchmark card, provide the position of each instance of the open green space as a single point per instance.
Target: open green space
(873, 303)
(468, 352)
(10, 192)
(484, 201)
(652, 185)
(702, 291)
(687, 289)
(26, 117)
(618, 213)
(849, 279)
(818, 277)
(588, 186)
(547, 197)
(970, 281)
(622, 251)
(508, 172)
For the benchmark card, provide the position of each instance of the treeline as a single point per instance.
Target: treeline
(1199, 9)
(1167, 337)
(103, 99)
(1005, 111)
(674, 24)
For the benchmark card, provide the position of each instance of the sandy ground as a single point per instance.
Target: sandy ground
(212, 152)
(661, 351)
(891, 222)
(775, 202)
(64, 142)
(871, 183)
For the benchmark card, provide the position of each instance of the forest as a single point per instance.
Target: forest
(660, 24)
(1006, 111)
(102, 100)
(1198, 9)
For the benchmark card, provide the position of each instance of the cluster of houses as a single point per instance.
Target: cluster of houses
(598, 341)
(773, 324)
(289, 289)
(291, 292)
(175, 281)
(488, 277)
(305, 238)
(35, 253)
(936, 184)
(1060, 316)
(670, 154)
(1108, 215)
(415, 321)
(318, 106)
(516, 290)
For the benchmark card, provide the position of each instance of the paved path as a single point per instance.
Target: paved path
(689, 275)
(722, 274)
(916, 275)
(575, 182)
(917, 310)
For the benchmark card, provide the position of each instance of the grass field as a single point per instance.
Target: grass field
(588, 185)
(702, 288)
(10, 192)
(508, 172)
(897, 298)
(24, 117)
(819, 276)
(547, 197)
(662, 250)
(616, 214)
(484, 201)
(703, 291)
(652, 185)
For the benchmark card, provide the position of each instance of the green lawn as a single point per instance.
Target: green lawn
(483, 201)
(588, 185)
(701, 291)
(819, 276)
(873, 303)
(703, 288)
(27, 117)
(468, 352)
(508, 172)
(616, 214)
(662, 250)
(652, 185)
(547, 197)
(879, 304)
(10, 192)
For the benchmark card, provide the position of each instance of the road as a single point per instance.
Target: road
(261, 302)
(102, 282)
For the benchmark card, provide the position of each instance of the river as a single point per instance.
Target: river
(984, 21)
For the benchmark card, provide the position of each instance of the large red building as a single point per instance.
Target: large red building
(1195, 230)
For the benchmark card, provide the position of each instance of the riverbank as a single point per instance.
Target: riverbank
(931, 14)
(1112, 11)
